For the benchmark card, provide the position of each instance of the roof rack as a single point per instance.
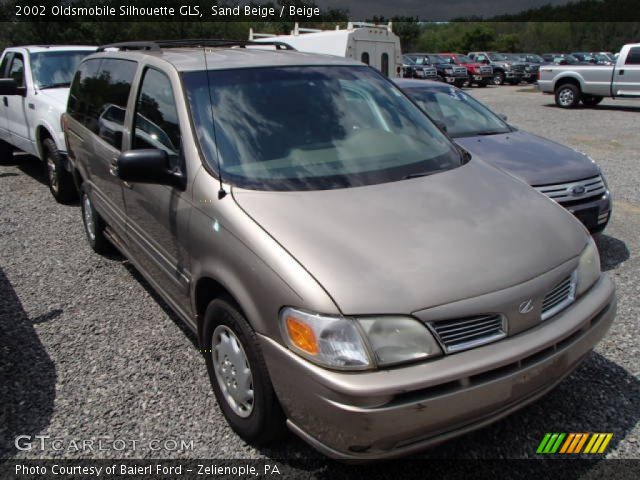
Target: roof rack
(158, 45)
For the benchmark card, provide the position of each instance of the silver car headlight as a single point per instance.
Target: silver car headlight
(356, 343)
(588, 267)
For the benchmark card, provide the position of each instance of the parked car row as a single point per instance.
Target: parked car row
(365, 265)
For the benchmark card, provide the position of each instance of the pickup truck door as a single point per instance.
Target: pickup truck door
(626, 76)
(16, 105)
(4, 109)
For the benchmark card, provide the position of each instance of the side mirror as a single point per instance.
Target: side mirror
(503, 116)
(149, 166)
(8, 86)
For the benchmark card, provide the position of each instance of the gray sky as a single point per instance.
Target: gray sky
(434, 10)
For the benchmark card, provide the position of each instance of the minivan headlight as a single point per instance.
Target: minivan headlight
(349, 343)
(588, 267)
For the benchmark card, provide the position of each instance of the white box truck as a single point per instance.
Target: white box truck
(373, 44)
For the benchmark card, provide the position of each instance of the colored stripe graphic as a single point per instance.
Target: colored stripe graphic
(573, 443)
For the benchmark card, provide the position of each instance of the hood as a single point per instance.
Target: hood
(473, 65)
(404, 246)
(534, 159)
(56, 97)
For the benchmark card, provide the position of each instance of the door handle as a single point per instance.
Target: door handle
(5, 100)
(621, 72)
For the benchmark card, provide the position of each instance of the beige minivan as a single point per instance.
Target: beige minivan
(350, 273)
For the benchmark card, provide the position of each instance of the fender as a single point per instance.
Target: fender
(571, 74)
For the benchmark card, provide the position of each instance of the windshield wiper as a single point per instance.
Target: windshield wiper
(55, 85)
(490, 132)
(425, 174)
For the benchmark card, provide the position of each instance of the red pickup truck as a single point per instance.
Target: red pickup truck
(479, 74)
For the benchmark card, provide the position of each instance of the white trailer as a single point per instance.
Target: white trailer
(373, 44)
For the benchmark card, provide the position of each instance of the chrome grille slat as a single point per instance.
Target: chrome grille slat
(563, 192)
(455, 324)
(464, 333)
(559, 297)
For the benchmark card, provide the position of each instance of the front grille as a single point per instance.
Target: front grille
(486, 70)
(430, 72)
(574, 191)
(518, 68)
(559, 297)
(464, 333)
(460, 71)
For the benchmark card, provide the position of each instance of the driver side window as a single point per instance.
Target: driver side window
(17, 69)
(156, 122)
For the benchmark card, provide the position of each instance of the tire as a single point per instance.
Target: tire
(61, 183)
(459, 83)
(514, 82)
(591, 100)
(482, 84)
(94, 226)
(567, 96)
(6, 153)
(498, 78)
(257, 416)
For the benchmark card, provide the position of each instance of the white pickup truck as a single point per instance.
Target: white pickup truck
(34, 86)
(589, 84)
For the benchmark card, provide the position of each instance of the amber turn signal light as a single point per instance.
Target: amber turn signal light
(302, 335)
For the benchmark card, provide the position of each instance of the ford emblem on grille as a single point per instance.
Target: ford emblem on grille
(578, 190)
(526, 306)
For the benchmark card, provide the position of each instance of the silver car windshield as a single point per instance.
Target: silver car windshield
(55, 69)
(460, 113)
(312, 127)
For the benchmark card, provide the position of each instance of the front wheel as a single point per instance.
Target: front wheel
(6, 153)
(239, 376)
(60, 181)
(498, 78)
(591, 100)
(482, 83)
(567, 96)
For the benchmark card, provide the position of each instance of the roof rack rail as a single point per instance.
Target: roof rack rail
(158, 45)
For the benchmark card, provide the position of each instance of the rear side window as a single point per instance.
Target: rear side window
(84, 93)
(365, 58)
(633, 58)
(115, 77)
(156, 122)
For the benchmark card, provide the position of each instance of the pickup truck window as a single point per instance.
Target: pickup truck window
(633, 57)
(291, 128)
(17, 69)
(5, 64)
(156, 120)
(54, 69)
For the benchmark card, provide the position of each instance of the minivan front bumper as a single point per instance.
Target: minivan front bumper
(396, 412)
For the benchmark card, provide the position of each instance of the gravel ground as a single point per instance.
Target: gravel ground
(88, 351)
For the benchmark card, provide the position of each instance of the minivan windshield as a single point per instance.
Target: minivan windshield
(312, 127)
(54, 68)
(460, 113)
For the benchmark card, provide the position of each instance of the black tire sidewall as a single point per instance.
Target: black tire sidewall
(266, 421)
(500, 77)
(66, 187)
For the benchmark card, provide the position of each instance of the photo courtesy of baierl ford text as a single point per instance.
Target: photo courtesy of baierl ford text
(319, 239)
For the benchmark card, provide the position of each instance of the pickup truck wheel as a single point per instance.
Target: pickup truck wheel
(482, 83)
(6, 152)
(591, 100)
(60, 181)
(498, 78)
(239, 376)
(567, 96)
(94, 226)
